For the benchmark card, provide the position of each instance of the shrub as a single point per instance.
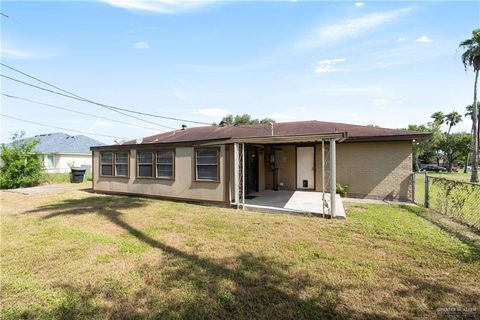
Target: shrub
(21, 165)
(342, 189)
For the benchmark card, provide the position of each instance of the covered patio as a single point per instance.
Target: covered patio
(310, 198)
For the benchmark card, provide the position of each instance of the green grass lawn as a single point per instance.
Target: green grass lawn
(461, 203)
(420, 181)
(76, 255)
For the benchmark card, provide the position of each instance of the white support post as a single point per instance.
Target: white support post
(236, 172)
(243, 175)
(333, 180)
(323, 176)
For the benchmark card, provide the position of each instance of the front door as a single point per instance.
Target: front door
(305, 168)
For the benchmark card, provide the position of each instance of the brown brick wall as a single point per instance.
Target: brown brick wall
(379, 170)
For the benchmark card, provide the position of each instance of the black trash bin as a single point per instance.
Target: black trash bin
(77, 175)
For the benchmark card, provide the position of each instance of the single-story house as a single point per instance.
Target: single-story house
(227, 164)
(60, 150)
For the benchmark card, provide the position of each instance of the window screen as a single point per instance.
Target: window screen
(145, 164)
(121, 164)
(165, 164)
(207, 164)
(106, 164)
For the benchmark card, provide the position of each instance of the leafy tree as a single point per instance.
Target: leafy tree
(471, 58)
(438, 118)
(244, 119)
(21, 165)
(452, 119)
(425, 151)
(453, 147)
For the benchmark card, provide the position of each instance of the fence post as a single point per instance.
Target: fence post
(427, 191)
(414, 180)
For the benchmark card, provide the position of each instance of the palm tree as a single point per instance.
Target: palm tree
(469, 114)
(452, 119)
(471, 58)
(469, 111)
(438, 118)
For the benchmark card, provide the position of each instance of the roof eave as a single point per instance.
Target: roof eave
(404, 137)
(337, 136)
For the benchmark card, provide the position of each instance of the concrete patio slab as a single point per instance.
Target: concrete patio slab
(376, 201)
(304, 202)
(47, 188)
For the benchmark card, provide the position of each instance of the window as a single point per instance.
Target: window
(106, 164)
(145, 164)
(206, 163)
(50, 161)
(164, 164)
(121, 164)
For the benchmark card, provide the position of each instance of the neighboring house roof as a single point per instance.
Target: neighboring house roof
(63, 143)
(313, 127)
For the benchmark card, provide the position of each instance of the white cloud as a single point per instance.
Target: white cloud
(214, 112)
(102, 123)
(352, 115)
(401, 39)
(423, 39)
(351, 28)
(359, 4)
(180, 96)
(381, 102)
(24, 54)
(159, 6)
(345, 90)
(141, 45)
(328, 65)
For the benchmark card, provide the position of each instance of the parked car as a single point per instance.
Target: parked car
(433, 167)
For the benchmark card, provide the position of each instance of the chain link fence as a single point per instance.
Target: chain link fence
(457, 199)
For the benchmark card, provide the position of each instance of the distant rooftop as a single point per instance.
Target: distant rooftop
(60, 142)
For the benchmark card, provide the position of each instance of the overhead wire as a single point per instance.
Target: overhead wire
(73, 95)
(64, 129)
(75, 111)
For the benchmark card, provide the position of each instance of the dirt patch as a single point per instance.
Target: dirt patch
(48, 188)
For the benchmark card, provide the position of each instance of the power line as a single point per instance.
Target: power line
(97, 103)
(63, 129)
(75, 111)
(81, 99)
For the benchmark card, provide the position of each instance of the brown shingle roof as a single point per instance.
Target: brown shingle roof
(355, 132)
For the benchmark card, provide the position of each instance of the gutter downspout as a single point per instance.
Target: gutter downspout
(243, 176)
(236, 173)
(323, 176)
(333, 180)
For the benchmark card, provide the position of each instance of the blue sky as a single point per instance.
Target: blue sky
(383, 63)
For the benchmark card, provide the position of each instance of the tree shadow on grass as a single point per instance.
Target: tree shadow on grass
(245, 286)
(440, 297)
(473, 245)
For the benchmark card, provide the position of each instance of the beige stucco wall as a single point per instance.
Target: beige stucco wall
(286, 174)
(183, 187)
(378, 170)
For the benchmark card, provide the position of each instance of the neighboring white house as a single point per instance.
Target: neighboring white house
(60, 150)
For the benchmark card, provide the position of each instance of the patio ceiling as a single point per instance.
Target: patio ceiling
(337, 136)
